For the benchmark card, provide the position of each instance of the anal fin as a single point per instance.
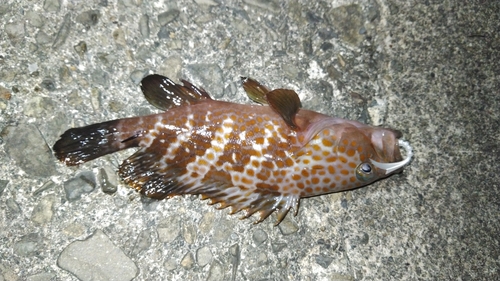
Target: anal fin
(252, 201)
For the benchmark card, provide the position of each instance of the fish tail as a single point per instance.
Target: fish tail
(79, 145)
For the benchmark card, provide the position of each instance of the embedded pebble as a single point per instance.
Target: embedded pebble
(168, 16)
(88, 18)
(288, 226)
(44, 211)
(323, 260)
(35, 19)
(209, 75)
(143, 242)
(63, 32)
(204, 256)
(348, 20)
(28, 244)
(259, 236)
(3, 185)
(52, 5)
(15, 31)
(38, 106)
(169, 229)
(13, 206)
(44, 276)
(82, 183)
(108, 185)
(42, 38)
(97, 258)
(189, 233)
(26, 146)
(270, 5)
(216, 272)
(144, 26)
(187, 261)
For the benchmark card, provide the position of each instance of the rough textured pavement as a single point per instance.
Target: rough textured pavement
(428, 68)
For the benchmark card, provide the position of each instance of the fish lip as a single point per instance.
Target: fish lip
(395, 166)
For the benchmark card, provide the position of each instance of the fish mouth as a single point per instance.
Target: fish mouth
(395, 166)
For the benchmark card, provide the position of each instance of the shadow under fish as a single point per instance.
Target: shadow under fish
(259, 158)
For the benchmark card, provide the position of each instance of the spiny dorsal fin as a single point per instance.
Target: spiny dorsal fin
(255, 91)
(286, 103)
(164, 94)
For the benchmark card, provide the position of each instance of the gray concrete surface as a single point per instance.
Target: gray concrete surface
(428, 68)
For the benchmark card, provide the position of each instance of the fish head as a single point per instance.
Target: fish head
(356, 154)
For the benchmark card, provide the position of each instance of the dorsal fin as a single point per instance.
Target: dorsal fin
(286, 103)
(283, 101)
(255, 91)
(164, 94)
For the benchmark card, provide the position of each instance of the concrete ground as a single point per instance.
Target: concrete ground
(427, 68)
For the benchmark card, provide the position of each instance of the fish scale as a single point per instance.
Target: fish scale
(257, 158)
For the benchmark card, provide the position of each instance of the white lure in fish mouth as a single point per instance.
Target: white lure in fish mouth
(391, 167)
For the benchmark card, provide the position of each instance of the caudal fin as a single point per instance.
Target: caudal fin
(79, 145)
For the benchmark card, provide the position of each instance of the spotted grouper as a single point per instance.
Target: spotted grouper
(260, 158)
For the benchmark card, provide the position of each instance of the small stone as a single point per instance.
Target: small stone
(35, 19)
(107, 185)
(187, 261)
(144, 26)
(169, 229)
(44, 276)
(323, 260)
(168, 16)
(136, 76)
(97, 258)
(38, 106)
(63, 32)
(35, 161)
(348, 20)
(216, 272)
(277, 246)
(207, 2)
(48, 83)
(27, 245)
(3, 186)
(209, 75)
(81, 48)
(88, 18)
(44, 211)
(13, 206)
(288, 226)
(143, 242)
(52, 5)
(5, 94)
(42, 38)
(119, 37)
(189, 233)
(83, 183)
(270, 5)
(204, 256)
(15, 31)
(259, 236)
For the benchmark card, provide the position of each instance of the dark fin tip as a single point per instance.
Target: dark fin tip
(164, 94)
(79, 145)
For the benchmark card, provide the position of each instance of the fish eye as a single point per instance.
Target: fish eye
(364, 172)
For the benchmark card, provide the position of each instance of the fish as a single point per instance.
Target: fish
(259, 158)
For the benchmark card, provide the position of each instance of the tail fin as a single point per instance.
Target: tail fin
(79, 145)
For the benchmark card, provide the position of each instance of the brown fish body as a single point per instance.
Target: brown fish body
(248, 157)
